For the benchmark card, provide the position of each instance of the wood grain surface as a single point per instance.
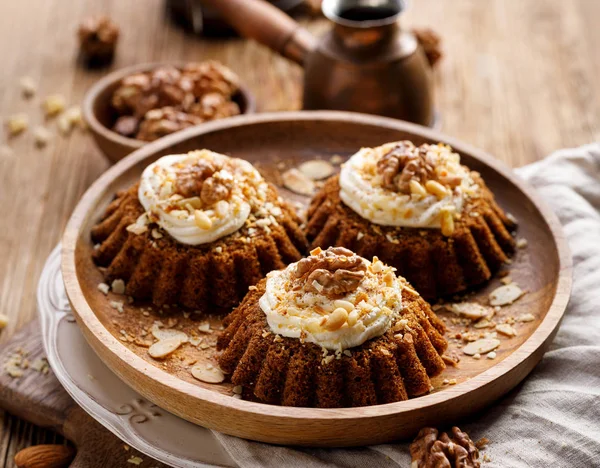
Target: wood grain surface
(518, 80)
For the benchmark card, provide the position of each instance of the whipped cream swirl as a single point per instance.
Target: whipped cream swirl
(370, 309)
(190, 220)
(362, 189)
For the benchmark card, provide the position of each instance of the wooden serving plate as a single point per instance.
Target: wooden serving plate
(273, 141)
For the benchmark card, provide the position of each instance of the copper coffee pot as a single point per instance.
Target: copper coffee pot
(365, 63)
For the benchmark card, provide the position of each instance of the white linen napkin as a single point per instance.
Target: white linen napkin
(553, 418)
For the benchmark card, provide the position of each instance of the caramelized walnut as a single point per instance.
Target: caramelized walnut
(214, 190)
(98, 36)
(333, 272)
(190, 178)
(456, 451)
(402, 164)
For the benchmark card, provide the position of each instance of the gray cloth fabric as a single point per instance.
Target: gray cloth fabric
(553, 418)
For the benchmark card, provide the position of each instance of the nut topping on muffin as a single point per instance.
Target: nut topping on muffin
(333, 298)
(338, 272)
(399, 184)
(201, 196)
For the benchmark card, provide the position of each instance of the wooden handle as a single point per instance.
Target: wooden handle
(263, 22)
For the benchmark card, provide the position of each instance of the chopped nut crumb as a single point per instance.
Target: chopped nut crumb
(41, 136)
(521, 243)
(135, 460)
(28, 87)
(118, 286)
(491, 355)
(17, 123)
(53, 105)
(104, 288)
(4, 320)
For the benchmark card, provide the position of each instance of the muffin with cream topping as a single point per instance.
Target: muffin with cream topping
(332, 330)
(420, 211)
(197, 230)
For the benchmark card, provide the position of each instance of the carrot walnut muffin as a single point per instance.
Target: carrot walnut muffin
(197, 230)
(332, 330)
(420, 210)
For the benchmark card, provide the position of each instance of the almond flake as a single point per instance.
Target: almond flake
(163, 348)
(471, 310)
(526, 318)
(482, 346)
(506, 329)
(168, 333)
(316, 169)
(205, 327)
(505, 295)
(202, 373)
(297, 182)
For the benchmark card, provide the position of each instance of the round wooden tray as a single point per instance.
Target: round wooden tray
(284, 139)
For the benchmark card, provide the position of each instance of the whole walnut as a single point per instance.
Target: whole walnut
(431, 450)
(98, 37)
(336, 270)
(160, 122)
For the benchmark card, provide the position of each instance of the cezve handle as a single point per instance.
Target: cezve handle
(265, 23)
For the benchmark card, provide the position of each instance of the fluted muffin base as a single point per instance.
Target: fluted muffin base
(434, 264)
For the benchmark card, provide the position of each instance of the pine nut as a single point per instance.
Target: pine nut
(436, 189)
(352, 318)
(202, 220)
(344, 305)
(416, 188)
(447, 223)
(336, 319)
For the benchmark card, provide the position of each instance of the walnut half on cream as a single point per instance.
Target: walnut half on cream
(333, 272)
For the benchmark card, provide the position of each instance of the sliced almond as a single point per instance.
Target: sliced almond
(505, 295)
(203, 373)
(163, 348)
(316, 169)
(506, 329)
(482, 346)
(526, 318)
(483, 323)
(471, 310)
(297, 182)
(168, 333)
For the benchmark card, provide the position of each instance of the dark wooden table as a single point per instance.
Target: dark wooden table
(519, 79)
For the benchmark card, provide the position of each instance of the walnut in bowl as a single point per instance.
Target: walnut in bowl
(135, 105)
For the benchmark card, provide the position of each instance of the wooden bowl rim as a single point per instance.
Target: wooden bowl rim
(93, 93)
(169, 383)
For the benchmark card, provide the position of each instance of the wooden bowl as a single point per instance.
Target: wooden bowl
(100, 116)
(270, 140)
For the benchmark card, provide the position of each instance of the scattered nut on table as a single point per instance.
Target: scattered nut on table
(98, 36)
(430, 449)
